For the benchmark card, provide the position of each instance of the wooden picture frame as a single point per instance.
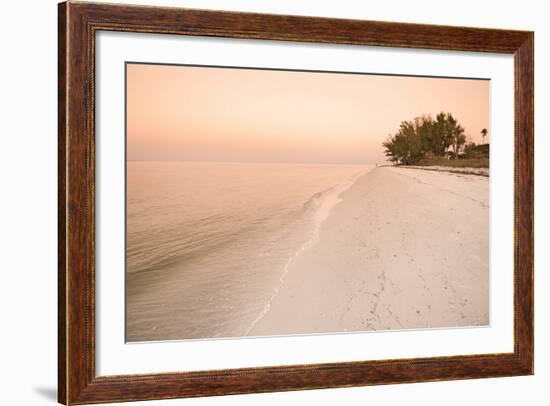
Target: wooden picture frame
(78, 25)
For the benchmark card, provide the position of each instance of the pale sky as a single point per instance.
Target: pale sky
(181, 113)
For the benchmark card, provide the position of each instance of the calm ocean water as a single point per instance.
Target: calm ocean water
(208, 244)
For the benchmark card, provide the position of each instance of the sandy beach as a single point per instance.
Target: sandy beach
(405, 248)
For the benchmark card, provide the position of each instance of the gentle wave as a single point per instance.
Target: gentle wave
(208, 245)
(322, 203)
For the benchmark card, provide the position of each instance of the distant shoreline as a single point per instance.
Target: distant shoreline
(450, 169)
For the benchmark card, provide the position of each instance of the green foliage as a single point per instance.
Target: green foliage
(424, 138)
(473, 151)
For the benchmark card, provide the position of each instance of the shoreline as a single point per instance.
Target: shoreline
(395, 253)
(436, 168)
(325, 213)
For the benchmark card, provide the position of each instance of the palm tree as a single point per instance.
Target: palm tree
(483, 134)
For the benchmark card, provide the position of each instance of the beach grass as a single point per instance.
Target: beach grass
(456, 163)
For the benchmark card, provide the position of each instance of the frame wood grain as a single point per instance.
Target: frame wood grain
(78, 23)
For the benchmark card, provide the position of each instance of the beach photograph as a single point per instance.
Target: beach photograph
(270, 202)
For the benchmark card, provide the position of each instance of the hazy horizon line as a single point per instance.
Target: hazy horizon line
(250, 162)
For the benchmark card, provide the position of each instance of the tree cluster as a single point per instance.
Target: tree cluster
(425, 137)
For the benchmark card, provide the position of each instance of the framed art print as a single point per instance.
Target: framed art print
(253, 203)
